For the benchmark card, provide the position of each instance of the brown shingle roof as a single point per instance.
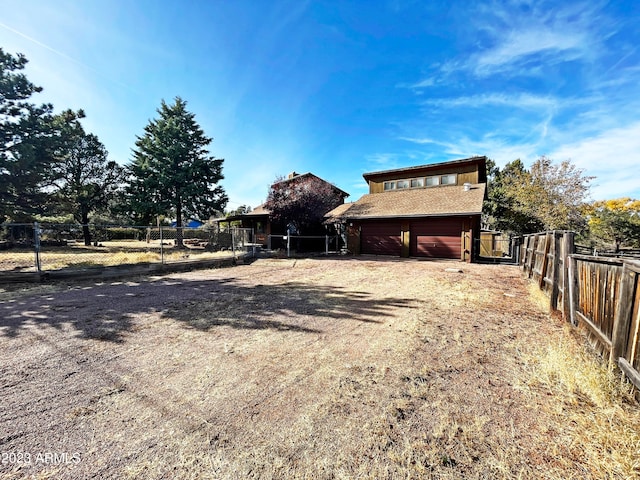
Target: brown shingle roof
(422, 202)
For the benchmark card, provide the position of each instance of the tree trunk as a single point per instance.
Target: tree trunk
(86, 233)
(179, 237)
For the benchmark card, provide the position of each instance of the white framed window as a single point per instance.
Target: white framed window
(448, 179)
(389, 186)
(417, 182)
(402, 184)
(432, 181)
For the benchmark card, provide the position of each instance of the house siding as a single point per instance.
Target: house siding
(465, 174)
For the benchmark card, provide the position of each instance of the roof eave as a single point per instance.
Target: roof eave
(369, 175)
(415, 215)
(309, 174)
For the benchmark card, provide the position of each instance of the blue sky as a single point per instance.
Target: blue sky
(342, 88)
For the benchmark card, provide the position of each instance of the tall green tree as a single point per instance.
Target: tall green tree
(172, 172)
(24, 130)
(86, 181)
(31, 141)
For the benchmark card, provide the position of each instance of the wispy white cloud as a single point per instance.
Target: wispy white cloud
(424, 83)
(610, 157)
(501, 150)
(523, 100)
(517, 47)
(518, 41)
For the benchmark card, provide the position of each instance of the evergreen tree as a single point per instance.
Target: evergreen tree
(32, 139)
(86, 180)
(172, 172)
(24, 133)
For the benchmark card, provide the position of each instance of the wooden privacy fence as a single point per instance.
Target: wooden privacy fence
(544, 259)
(605, 296)
(602, 295)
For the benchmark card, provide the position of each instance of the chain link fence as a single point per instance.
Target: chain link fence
(41, 247)
(305, 244)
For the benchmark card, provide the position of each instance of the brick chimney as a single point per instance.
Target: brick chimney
(291, 175)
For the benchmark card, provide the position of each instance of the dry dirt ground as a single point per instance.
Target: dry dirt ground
(325, 368)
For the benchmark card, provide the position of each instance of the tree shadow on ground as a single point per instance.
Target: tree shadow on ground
(107, 311)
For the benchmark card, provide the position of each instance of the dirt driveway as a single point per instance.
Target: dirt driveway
(339, 368)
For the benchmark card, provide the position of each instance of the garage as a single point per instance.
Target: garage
(382, 238)
(436, 238)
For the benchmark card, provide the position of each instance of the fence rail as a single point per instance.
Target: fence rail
(598, 293)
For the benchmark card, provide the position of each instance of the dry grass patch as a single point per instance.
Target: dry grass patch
(113, 253)
(595, 409)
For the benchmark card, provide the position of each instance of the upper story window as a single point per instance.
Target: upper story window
(448, 179)
(432, 181)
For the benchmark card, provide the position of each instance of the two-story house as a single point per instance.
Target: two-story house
(423, 211)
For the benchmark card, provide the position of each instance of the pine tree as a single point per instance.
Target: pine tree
(27, 137)
(86, 180)
(172, 172)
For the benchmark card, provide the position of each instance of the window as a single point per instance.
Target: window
(448, 179)
(432, 181)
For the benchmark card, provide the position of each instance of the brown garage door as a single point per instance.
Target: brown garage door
(436, 238)
(381, 238)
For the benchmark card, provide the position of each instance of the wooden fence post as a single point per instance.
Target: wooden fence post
(573, 290)
(555, 277)
(515, 249)
(568, 247)
(532, 245)
(545, 258)
(622, 319)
